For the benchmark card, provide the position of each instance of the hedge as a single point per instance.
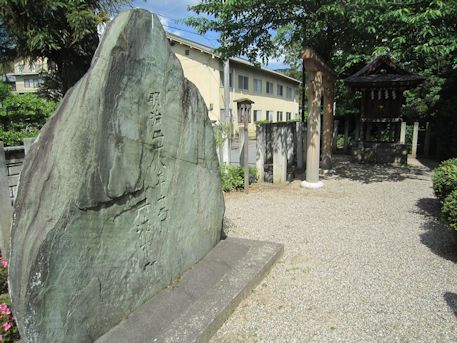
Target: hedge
(445, 179)
(450, 209)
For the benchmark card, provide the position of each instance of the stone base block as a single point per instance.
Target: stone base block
(312, 185)
(197, 306)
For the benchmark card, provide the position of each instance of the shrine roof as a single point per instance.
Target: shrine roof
(383, 71)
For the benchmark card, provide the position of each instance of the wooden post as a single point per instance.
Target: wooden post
(6, 209)
(246, 144)
(261, 151)
(346, 135)
(415, 138)
(314, 84)
(403, 133)
(357, 130)
(427, 140)
(335, 134)
(328, 127)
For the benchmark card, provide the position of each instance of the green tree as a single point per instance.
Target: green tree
(421, 34)
(22, 115)
(63, 31)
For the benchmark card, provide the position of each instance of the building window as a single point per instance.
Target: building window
(269, 87)
(243, 82)
(296, 115)
(279, 90)
(270, 115)
(221, 73)
(31, 83)
(257, 115)
(279, 116)
(289, 92)
(187, 52)
(19, 68)
(257, 86)
(32, 68)
(288, 115)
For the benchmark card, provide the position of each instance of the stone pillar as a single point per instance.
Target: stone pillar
(6, 209)
(335, 134)
(327, 128)
(28, 144)
(346, 135)
(403, 133)
(427, 140)
(415, 137)
(300, 146)
(261, 151)
(314, 83)
(279, 154)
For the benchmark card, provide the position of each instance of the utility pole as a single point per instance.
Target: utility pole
(225, 120)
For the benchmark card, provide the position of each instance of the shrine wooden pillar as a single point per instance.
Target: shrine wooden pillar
(320, 81)
(328, 123)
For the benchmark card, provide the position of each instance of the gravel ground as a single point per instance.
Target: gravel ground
(365, 260)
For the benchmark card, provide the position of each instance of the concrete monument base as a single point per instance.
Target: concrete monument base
(312, 185)
(194, 308)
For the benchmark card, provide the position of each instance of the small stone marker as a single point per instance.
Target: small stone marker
(119, 195)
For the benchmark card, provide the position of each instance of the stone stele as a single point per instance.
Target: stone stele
(120, 194)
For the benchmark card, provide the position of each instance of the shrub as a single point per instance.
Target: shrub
(3, 280)
(8, 329)
(444, 179)
(233, 177)
(9, 332)
(22, 115)
(450, 209)
(450, 162)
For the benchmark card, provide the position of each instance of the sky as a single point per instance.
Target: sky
(172, 12)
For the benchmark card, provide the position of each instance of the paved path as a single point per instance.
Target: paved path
(365, 261)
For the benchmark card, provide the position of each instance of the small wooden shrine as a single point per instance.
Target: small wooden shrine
(381, 127)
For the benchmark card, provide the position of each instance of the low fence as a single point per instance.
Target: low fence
(14, 160)
(281, 149)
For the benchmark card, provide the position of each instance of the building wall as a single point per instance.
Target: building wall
(205, 70)
(264, 101)
(28, 75)
(202, 69)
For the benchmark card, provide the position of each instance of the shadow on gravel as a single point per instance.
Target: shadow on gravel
(439, 238)
(451, 299)
(368, 173)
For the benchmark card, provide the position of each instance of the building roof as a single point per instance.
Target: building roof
(383, 71)
(211, 51)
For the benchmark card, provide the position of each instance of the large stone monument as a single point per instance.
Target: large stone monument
(119, 195)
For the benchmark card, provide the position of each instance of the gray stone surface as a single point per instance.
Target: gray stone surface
(119, 194)
(5, 206)
(199, 304)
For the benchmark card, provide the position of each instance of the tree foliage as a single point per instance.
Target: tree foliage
(420, 34)
(22, 115)
(63, 31)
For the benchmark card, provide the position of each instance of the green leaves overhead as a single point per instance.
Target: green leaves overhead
(63, 31)
(356, 29)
